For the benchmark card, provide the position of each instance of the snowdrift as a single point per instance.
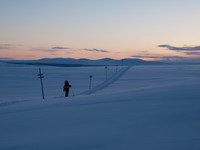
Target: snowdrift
(142, 107)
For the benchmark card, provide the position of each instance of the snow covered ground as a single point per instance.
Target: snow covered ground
(21, 82)
(142, 107)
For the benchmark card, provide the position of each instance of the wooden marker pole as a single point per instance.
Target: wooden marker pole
(40, 75)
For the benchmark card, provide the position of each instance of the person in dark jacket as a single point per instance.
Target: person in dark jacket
(66, 88)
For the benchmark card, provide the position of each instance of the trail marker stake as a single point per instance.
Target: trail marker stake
(106, 68)
(90, 84)
(116, 68)
(122, 62)
(40, 75)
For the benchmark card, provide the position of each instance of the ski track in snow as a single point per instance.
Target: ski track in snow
(11, 103)
(106, 83)
(101, 86)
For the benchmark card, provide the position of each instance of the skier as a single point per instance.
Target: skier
(66, 88)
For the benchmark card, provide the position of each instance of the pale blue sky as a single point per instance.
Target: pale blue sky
(125, 28)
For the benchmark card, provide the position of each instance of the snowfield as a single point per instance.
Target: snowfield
(137, 108)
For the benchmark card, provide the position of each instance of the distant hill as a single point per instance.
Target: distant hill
(70, 62)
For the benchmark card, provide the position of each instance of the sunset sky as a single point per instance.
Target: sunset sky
(94, 29)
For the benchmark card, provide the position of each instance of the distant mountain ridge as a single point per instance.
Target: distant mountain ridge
(69, 62)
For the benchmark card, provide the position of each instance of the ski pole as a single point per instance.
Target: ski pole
(62, 94)
(72, 91)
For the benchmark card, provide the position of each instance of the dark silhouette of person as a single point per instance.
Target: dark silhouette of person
(66, 88)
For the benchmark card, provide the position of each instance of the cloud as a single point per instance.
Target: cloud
(60, 47)
(195, 48)
(8, 46)
(192, 53)
(6, 58)
(44, 50)
(172, 57)
(48, 50)
(52, 49)
(97, 50)
(161, 57)
(3, 47)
